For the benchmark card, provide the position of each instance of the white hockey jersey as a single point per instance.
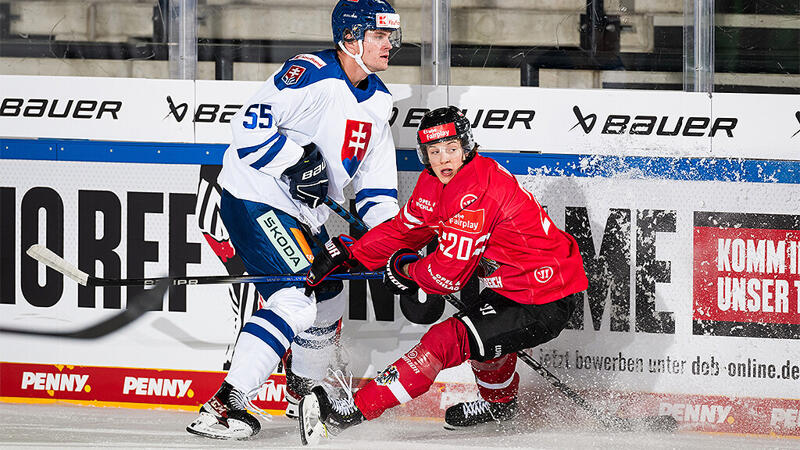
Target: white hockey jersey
(309, 100)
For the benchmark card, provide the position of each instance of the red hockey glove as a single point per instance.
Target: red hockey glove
(334, 257)
(394, 279)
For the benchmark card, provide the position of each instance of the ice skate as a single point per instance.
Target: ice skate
(297, 387)
(225, 416)
(478, 412)
(323, 416)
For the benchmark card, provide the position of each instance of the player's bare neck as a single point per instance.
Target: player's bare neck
(354, 73)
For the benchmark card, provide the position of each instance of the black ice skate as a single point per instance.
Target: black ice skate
(478, 412)
(225, 416)
(297, 387)
(323, 416)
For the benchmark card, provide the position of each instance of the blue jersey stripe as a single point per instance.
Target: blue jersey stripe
(244, 151)
(270, 154)
(276, 321)
(319, 331)
(365, 208)
(265, 336)
(367, 193)
(308, 343)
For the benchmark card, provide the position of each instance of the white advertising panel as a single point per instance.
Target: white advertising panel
(115, 109)
(132, 221)
(768, 125)
(571, 121)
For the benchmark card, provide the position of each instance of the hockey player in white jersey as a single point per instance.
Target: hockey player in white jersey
(318, 124)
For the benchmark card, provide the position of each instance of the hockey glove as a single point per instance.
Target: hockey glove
(334, 257)
(308, 179)
(394, 279)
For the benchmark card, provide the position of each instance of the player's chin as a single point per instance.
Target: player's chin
(382, 64)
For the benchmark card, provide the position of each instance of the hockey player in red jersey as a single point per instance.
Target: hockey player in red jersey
(485, 223)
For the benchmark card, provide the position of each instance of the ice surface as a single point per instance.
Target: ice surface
(69, 426)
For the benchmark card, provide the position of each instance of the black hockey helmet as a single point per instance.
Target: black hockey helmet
(444, 124)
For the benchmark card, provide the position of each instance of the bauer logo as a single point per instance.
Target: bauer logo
(157, 387)
(660, 125)
(515, 119)
(746, 274)
(797, 116)
(205, 112)
(54, 108)
(55, 382)
(283, 242)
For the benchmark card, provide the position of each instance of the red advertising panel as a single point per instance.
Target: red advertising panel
(124, 386)
(747, 275)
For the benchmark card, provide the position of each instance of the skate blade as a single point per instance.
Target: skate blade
(312, 429)
(207, 425)
(292, 411)
(486, 426)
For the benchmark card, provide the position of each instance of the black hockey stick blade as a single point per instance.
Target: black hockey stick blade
(149, 300)
(663, 423)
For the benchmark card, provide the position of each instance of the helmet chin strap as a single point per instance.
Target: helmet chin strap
(357, 57)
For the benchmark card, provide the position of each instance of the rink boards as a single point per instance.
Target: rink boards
(684, 208)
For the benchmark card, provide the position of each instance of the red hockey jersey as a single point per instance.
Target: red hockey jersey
(484, 219)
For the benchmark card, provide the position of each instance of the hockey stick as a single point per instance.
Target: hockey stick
(59, 264)
(149, 300)
(664, 423)
(345, 214)
(649, 423)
